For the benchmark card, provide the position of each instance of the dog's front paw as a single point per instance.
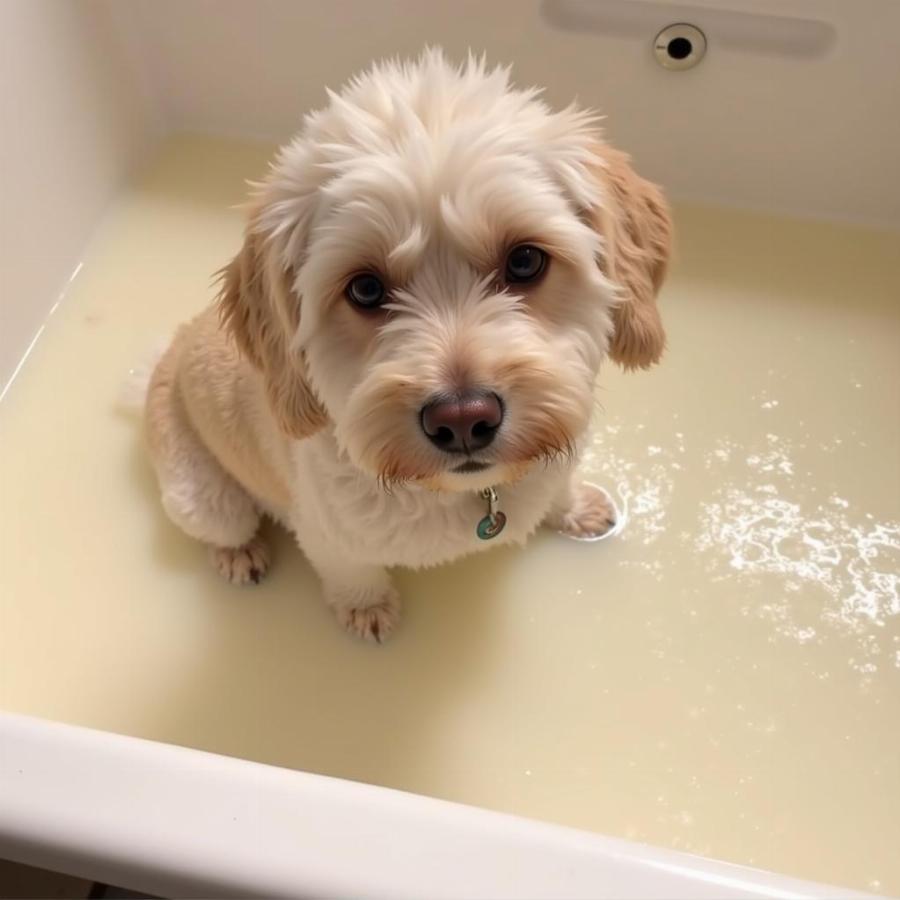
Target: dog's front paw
(370, 614)
(242, 565)
(590, 516)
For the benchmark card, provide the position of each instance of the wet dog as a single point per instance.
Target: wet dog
(400, 366)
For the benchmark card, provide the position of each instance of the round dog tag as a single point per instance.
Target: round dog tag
(491, 525)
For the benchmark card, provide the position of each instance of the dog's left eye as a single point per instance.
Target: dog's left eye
(525, 263)
(366, 291)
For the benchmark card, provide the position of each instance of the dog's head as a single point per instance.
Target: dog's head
(437, 265)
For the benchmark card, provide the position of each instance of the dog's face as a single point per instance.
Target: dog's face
(453, 313)
(437, 266)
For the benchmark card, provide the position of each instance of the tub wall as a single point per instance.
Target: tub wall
(76, 118)
(814, 133)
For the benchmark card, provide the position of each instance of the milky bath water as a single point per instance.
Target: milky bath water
(722, 677)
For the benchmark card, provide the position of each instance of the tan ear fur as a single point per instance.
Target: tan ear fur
(260, 310)
(636, 223)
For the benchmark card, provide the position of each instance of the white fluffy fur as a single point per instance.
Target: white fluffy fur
(428, 174)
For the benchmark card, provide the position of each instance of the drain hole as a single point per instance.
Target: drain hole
(679, 48)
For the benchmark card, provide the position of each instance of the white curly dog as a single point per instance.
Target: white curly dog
(400, 366)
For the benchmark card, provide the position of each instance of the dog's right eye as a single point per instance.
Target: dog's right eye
(366, 291)
(525, 263)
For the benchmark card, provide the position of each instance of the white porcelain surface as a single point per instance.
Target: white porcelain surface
(178, 822)
(76, 120)
(812, 130)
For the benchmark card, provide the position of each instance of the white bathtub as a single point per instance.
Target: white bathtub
(794, 111)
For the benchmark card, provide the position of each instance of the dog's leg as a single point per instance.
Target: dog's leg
(199, 496)
(363, 599)
(362, 596)
(245, 564)
(209, 505)
(363, 608)
(581, 511)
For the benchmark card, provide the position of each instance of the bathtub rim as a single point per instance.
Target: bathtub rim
(175, 821)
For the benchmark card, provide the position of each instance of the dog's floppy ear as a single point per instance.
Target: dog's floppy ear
(636, 224)
(259, 308)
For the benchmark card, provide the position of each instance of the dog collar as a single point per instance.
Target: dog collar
(495, 521)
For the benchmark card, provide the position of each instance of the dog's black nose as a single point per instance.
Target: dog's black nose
(462, 423)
